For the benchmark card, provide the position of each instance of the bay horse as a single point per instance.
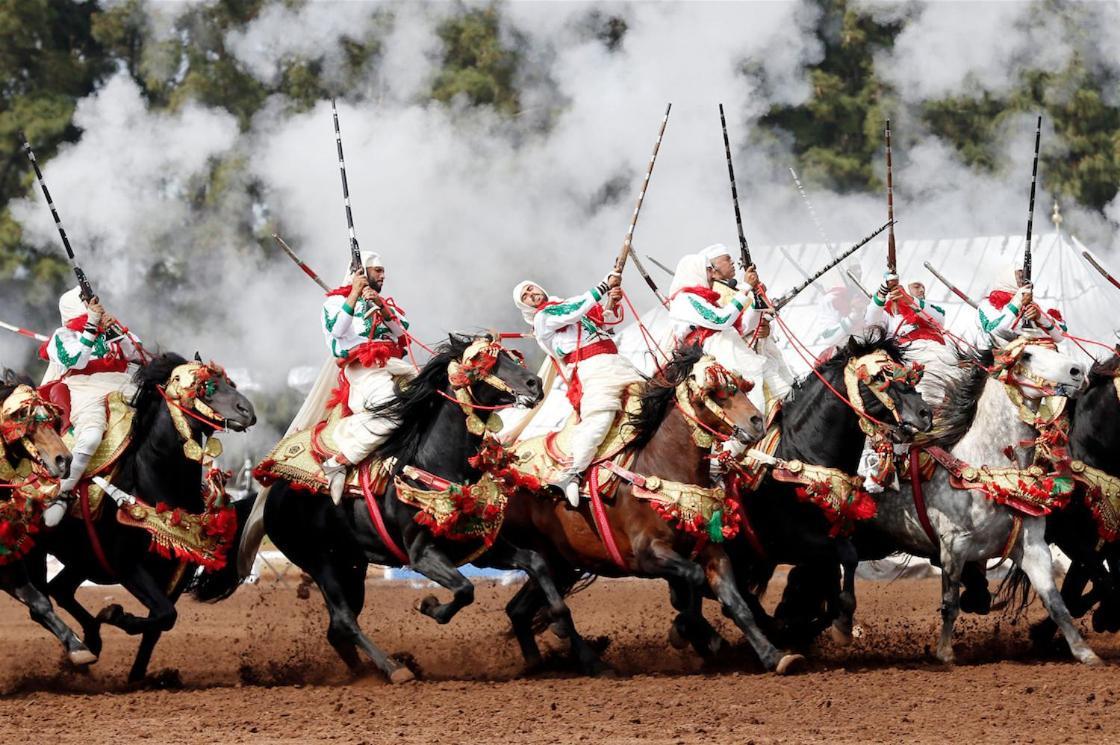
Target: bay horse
(157, 468)
(31, 451)
(666, 448)
(435, 434)
(986, 422)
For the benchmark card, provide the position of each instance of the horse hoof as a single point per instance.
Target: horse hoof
(840, 636)
(947, 659)
(401, 675)
(790, 663)
(1090, 658)
(428, 604)
(110, 613)
(675, 639)
(82, 657)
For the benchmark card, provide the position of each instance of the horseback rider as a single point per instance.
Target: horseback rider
(1010, 311)
(91, 353)
(366, 335)
(576, 332)
(700, 314)
(842, 311)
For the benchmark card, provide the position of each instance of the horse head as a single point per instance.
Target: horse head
(29, 430)
(205, 393)
(882, 389)
(1037, 369)
(488, 374)
(712, 392)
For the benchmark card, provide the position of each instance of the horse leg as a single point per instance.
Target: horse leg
(950, 603)
(16, 582)
(522, 611)
(846, 600)
(690, 626)
(1037, 563)
(976, 597)
(426, 558)
(63, 589)
(721, 579)
(1072, 588)
(151, 637)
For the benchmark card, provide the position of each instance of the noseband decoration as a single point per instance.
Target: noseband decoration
(21, 414)
(877, 372)
(476, 366)
(186, 392)
(718, 384)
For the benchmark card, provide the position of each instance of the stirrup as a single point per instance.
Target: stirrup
(56, 508)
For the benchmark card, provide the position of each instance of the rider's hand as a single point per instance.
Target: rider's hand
(895, 295)
(1032, 312)
(614, 279)
(614, 295)
(763, 328)
(358, 283)
(95, 310)
(750, 276)
(108, 320)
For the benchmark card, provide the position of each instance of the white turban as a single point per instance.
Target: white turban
(70, 305)
(714, 251)
(692, 271)
(527, 311)
(1006, 279)
(371, 259)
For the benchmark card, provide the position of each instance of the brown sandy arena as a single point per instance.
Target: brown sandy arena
(257, 668)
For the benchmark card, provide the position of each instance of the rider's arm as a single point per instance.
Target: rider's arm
(1052, 325)
(697, 311)
(1001, 322)
(565, 313)
(338, 317)
(72, 350)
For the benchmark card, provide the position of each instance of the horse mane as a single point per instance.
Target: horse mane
(954, 417)
(658, 393)
(1104, 371)
(418, 402)
(148, 398)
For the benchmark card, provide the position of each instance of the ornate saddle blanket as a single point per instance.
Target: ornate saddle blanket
(296, 459)
(21, 508)
(1033, 490)
(1102, 495)
(546, 456)
(118, 436)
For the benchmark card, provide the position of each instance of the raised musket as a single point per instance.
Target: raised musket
(355, 251)
(23, 332)
(856, 283)
(624, 254)
(86, 291)
(952, 287)
(784, 299)
(660, 266)
(892, 259)
(1030, 211)
(300, 263)
(744, 249)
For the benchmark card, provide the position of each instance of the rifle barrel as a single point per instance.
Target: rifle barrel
(784, 299)
(300, 263)
(892, 259)
(355, 251)
(620, 262)
(744, 249)
(1030, 211)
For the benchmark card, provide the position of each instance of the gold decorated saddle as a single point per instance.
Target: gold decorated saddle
(118, 436)
(296, 459)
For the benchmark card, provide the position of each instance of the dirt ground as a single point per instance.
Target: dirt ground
(257, 669)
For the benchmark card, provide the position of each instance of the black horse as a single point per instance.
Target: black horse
(1094, 438)
(40, 444)
(335, 545)
(154, 468)
(820, 428)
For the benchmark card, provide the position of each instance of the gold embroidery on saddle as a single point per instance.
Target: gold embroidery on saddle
(117, 437)
(1031, 490)
(1102, 496)
(548, 455)
(202, 539)
(704, 512)
(456, 511)
(294, 459)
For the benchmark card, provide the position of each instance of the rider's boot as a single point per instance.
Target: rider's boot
(56, 507)
(335, 469)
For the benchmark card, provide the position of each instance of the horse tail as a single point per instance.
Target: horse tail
(1014, 592)
(212, 586)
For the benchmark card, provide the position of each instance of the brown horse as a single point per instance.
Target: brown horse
(689, 403)
(32, 452)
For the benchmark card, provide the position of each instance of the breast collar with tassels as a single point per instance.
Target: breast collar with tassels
(720, 383)
(477, 366)
(184, 393)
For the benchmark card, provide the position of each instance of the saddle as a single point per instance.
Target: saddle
(296, 459)
(118, 436)
(548, 455)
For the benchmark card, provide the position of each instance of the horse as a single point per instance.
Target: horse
(178, 406)
(32, 450)
(988, 419)
(863, 388)
(1094, 551)
(437, 433)
(688, 403)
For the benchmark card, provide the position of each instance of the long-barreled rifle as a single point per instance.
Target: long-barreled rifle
(744, 249)
(952, 287)
(792, 293)
(86, 291)
(23, 332)
(1104, 272)
(856, 283)
(624, 254)
(300, 263)
(1030, 210)
(892, 259)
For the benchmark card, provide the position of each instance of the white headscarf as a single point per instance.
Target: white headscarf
(369, 259)
(1005, 279)
(714, 251)
(70, 305)
(527, 311)
(692, 271)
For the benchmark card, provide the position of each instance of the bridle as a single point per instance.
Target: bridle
(21, 414)
(877, 372)
(476, 365)
(708, 383)
(186, 392)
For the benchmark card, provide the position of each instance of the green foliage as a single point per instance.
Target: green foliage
(476, 64)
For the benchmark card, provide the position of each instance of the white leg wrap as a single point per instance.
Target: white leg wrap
(587, 438)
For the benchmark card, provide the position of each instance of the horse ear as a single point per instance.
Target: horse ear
(197, 356)
(853, 345)
(11, 377)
